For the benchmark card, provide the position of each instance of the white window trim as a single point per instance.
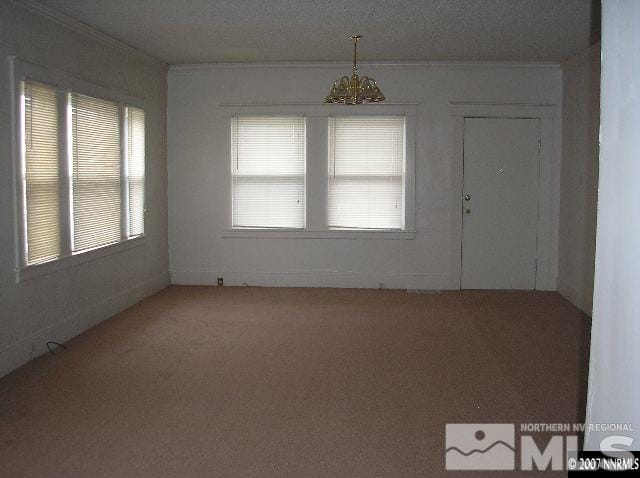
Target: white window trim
(21, 70)
(326, 234)
(317, 116)
(89, 255)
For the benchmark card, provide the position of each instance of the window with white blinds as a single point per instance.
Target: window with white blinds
(41, 172)
(366, 172)
(135, 170)
(268, 171)
(96, 172)
(82, 172)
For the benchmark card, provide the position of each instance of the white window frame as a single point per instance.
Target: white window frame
(64, 83)
(317, 121)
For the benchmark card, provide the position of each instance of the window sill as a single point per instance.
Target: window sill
(37, 270)
(306, 234)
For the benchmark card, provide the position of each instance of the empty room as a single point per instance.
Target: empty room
(319, 238)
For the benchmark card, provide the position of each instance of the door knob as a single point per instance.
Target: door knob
(467, 197)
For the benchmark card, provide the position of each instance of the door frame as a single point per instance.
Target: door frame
(548, 192)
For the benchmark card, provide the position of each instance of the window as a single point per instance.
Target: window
(135, 170)
(40, 172)
(96, 189)
(82, 163)
(268, 172)
(366, 172)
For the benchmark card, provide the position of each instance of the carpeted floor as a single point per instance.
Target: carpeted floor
(206, 381)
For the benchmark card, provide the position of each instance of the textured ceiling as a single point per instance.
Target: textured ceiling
(199, 31)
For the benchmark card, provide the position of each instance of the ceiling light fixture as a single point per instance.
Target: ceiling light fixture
(355, 90)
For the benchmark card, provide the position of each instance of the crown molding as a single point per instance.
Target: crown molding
(365, 64)
(84, 29)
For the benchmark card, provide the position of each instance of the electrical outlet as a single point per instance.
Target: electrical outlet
(220, 281)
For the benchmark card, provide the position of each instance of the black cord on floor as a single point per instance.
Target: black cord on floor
(56, 344)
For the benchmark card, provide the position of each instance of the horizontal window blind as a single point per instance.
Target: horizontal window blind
(96, 172)
(366, 172)
(41, 172)
(268, 170)
(135, 170)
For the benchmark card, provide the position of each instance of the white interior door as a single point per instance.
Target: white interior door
(500, 203)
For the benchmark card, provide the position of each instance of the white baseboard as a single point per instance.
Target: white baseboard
(314, 279)
(31, 347)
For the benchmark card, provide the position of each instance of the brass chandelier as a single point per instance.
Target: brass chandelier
(355, 90)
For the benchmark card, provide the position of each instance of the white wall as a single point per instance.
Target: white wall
(579, 178)
(198, 136)
(62, 304)
(614, 388)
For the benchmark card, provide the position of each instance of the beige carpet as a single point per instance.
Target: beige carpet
(206, 381)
